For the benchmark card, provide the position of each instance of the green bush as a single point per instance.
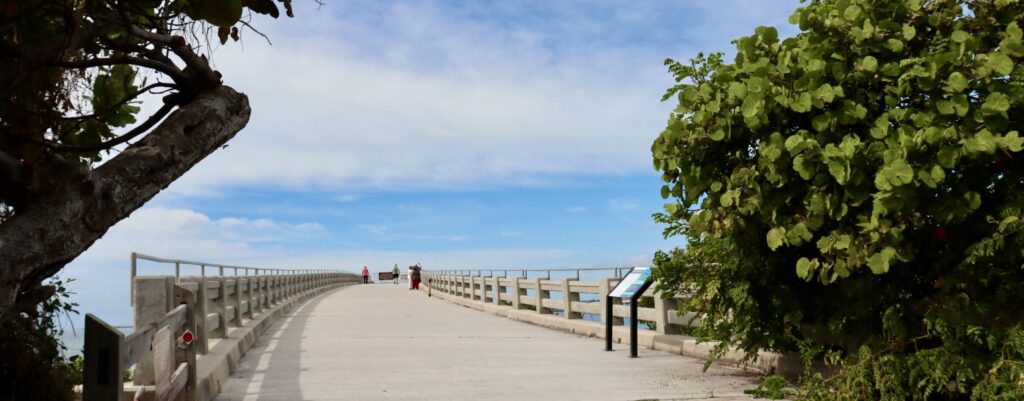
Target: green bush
(33, 362)
(855, 192)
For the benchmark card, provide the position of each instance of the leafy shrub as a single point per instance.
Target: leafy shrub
(33, 365)
(855, 192)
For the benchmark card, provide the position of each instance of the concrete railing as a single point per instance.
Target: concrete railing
(578, 306)
(513, 291)
(228, 313)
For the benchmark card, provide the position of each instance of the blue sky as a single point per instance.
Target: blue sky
(455, 134)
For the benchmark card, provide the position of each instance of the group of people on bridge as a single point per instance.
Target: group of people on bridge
(414, 275)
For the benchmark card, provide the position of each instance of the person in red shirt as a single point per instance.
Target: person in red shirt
(366, 275)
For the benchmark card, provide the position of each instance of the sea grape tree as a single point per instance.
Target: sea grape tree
(859, 184)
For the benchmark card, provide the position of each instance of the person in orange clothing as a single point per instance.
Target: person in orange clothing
(366, 275)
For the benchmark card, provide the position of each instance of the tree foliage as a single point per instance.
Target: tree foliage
(857, 191)
(78, 155)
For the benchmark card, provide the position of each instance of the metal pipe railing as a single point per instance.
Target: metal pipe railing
(136, 257)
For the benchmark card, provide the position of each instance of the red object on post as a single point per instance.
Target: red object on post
(187, 337)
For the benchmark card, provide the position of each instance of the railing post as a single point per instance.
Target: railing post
(570, 297)
(661, 311)
(234, 302)
(188, 355)
(220, 308)
(200, 311)
(152, 300)
(541, 296)
(517, 293)
(247, 294)
(483, 290)
(603, 289)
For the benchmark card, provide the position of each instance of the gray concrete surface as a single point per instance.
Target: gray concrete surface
(384, 342)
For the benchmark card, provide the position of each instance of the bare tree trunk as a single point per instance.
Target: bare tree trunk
(39, 240)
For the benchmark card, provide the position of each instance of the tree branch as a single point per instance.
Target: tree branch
(10, 173)
(122, 102)
(44, 236)
(167, 69)
(197, 64)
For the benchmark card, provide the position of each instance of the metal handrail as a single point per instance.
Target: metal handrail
(479, 272)
(220, 269)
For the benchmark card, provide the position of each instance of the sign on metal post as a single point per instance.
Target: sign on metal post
(631, 283)
(631, 287)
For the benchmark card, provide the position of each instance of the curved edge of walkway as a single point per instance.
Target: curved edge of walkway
(767, 363)
(216, 366)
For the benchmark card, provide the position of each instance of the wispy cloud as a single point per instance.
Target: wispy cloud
(442, 95)
(346, 198)
(576, 209)
(622, 204)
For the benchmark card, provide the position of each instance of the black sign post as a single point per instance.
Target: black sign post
(632, 286)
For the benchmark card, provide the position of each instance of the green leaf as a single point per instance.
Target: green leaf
(842, 241)
(1012, 142)
(802, 103)
(752, 106)
(852, 13)
(945, 107)
(1013, 31)
(947, 157)
(803, 268)
(981, 142)
(879, 262)
(902, 173)
(999, 63)
(804, 167)
(869, 64)
(996, 103)
(737, 90)
(799, 231)
(775, 237)
(961, 105)
(838, 170)
(956, 82)
(894, 44)
(908, 32)
(959, 36)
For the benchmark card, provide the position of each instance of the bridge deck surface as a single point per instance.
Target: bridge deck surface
(384, 342)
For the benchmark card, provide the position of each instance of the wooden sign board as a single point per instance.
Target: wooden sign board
(384, 276)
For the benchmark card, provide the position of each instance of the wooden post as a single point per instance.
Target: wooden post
(103, 374)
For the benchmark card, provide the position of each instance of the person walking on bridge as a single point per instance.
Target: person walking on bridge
(414, 276)
(366, 275)
(395, 274)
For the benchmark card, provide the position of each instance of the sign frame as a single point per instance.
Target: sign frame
(631, 288)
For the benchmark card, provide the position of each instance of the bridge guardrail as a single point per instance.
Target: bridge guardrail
(166, 306)
(513, 292)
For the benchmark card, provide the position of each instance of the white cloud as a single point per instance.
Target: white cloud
(622, 204)
(436, 100)
(576, 209)
(378, 230)
(346, 198)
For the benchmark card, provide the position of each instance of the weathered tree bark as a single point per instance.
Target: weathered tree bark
(40, 239)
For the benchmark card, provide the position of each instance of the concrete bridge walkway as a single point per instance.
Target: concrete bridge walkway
(384, 342)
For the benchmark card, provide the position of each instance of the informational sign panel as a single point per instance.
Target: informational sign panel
(632, 282)
(384, 276)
